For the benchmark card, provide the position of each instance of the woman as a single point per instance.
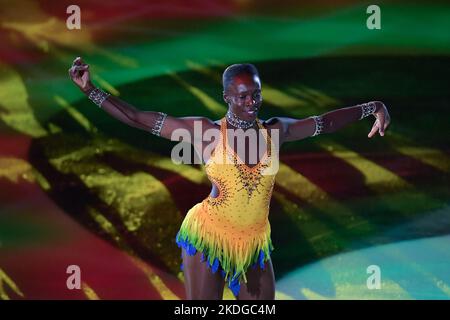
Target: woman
(227, 235)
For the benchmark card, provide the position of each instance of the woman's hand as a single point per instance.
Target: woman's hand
(79, 73)
(383, 120)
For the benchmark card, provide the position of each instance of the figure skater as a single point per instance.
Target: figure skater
(225, 239)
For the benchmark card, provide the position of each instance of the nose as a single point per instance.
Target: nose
(250, 101)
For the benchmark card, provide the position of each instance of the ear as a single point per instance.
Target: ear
(226, 98)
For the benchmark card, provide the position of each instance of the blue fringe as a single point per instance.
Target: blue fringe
(233, 282)
(235, 287)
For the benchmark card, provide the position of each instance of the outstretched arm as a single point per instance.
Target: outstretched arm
(297, 129)
(152, 121)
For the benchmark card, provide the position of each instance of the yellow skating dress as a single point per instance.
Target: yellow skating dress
(232, 230)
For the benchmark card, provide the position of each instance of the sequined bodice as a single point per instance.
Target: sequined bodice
(244, 191)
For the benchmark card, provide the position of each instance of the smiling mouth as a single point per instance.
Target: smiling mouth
(251, 111)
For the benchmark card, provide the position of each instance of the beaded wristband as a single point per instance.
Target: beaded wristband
(367, 109)
(156, 130)
(319, 125)
(98, 96)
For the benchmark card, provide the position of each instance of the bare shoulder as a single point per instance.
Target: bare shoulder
(216, 123)
(278, 124)
(210, 124)
(275, 123)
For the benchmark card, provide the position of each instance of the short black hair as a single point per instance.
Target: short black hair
(237, 69)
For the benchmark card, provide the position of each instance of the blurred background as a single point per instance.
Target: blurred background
(78, 187)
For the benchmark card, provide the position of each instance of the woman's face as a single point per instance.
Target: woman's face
(243, 96)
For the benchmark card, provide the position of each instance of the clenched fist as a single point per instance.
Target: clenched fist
(79, 73)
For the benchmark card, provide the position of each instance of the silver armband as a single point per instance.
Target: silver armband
(98, 96)
(156, 130)
(367, 109)
(319, 125)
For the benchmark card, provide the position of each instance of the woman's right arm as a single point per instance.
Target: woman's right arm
(121, 110)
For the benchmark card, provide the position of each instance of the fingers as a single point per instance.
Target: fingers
(77, 61)
(77, 67)
(387, 122)
(381, 126)
(83, 67)
(373, 131)
(72, 72)
(75, 70)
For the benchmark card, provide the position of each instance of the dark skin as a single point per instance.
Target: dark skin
(243, 97)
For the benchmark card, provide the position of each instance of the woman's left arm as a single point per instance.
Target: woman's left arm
(296, 129)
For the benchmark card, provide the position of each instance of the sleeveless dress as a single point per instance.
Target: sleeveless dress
(232, 230)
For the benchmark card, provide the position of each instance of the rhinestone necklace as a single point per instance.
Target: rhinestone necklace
(237, 122)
